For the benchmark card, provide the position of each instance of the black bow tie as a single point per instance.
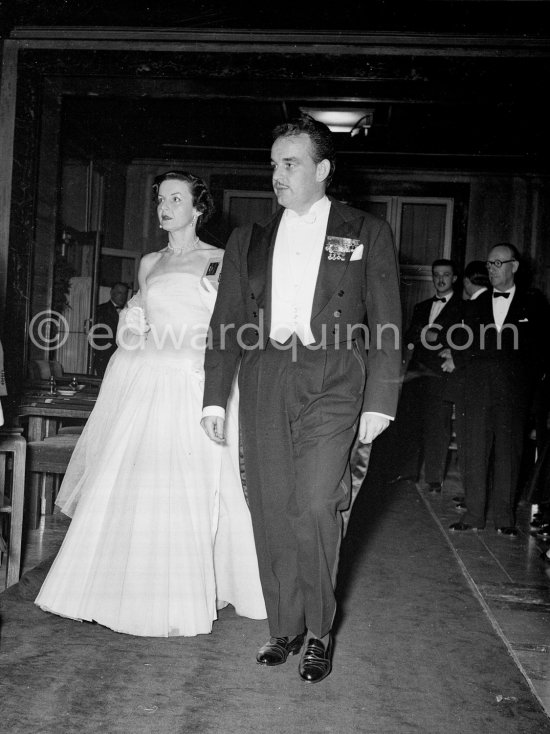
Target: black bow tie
(496, 294)
(443, 300)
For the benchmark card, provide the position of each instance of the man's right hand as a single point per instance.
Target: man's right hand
(447, 364)
(214, 427)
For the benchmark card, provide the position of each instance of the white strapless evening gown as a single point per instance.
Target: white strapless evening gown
(161, 535)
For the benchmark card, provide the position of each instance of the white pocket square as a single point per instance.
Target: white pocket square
(357, 254)
(522, 321)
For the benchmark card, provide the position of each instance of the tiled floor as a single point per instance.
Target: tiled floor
(509, 577)
(511, 580)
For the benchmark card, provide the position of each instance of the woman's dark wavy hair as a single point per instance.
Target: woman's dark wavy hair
(202, 198)
(321, 138)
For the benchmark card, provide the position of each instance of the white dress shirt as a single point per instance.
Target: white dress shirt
(296, 259)
(437, 306)
(501, 306)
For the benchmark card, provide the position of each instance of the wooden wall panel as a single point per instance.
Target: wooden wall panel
(497, 214)
(8, 81)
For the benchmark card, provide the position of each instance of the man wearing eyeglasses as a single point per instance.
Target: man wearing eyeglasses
(507, 357)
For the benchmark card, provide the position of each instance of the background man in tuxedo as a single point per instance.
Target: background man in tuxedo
(506, 360)
(423, 424)
(105, 337)
(475, 281)
(303, 283)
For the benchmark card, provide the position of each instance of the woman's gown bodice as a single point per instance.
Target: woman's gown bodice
(178, 318)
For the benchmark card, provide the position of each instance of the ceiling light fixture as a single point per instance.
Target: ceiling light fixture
(343, 119)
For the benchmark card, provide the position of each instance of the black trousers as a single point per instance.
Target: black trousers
(299, 409)
(422, 428)
(495, 419)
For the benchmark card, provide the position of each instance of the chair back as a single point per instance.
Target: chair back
(51, 454)
(43, 369)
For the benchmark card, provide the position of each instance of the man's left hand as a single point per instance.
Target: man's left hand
(371, 426)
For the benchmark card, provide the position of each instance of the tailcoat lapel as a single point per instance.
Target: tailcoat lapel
(260, 263)
(423, 313)
(486, 315)
(331, 272)
(516, 310)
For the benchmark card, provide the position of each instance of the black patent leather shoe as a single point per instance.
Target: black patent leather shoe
(277, 650)
(316, 661)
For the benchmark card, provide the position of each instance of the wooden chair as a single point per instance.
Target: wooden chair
(14, 445)
(49, 458)
(76, 429)
(43, 369)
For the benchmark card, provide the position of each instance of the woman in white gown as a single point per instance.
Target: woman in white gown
(160, 536)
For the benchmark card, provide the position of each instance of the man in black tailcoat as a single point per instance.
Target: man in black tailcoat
(422, 428)
(475, 281)
(293, 298)
(507, 355)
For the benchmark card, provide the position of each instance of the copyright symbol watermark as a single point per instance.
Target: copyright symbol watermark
(48, 329)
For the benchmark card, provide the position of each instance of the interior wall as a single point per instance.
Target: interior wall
(541, 233)
(513, 209)
(497, 213)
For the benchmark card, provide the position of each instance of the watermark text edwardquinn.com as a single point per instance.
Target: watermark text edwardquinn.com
(50, 330)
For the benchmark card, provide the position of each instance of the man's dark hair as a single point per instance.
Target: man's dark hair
(476, 272)
(120, 282)
(322, 142)
(442, 262)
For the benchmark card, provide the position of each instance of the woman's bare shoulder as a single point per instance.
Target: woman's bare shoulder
(152, 257)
